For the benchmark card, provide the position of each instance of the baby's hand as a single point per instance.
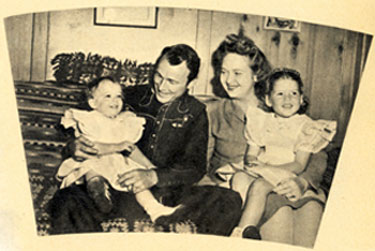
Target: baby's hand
(250, 165)
(104, 148)
(127, 146)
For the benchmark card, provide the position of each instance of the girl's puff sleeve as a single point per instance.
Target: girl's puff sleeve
(315, 135)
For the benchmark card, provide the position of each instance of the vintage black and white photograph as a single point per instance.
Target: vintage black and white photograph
(182, 120)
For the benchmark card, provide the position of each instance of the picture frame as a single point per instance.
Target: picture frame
(132, 17)
(281, 24)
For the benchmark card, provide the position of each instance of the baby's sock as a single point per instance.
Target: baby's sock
(237, 232)
(153, 208)
(160, 210)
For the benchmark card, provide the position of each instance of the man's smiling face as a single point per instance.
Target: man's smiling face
(170, 81)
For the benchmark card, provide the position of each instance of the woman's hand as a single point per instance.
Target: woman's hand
(292, 188)
(82, 149)
(138, 180)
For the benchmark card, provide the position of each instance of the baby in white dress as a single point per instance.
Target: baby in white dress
(111, 131)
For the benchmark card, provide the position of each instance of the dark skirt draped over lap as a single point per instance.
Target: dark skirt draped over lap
(213, 210)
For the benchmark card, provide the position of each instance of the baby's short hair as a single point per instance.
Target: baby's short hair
(93, 85)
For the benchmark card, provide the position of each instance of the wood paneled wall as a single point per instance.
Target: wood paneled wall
(330, 60)
(19, 32)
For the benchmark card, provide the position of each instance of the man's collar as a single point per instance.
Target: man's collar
(146, 100)
(147, 97)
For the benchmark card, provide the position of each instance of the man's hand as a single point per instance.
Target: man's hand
(82, 149)
(138, 180)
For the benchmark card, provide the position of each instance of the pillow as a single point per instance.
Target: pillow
(333, 156)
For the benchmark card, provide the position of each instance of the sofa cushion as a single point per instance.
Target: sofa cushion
(333, 156)
(40, 107)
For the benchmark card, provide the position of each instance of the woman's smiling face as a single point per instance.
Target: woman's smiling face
(236, 76)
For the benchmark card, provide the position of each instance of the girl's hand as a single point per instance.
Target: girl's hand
(249, 160)
(257, 163)
(82, 149)
(292, 188)
(249, 165)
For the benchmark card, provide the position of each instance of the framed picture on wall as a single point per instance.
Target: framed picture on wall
(282, 24)
(137, 17)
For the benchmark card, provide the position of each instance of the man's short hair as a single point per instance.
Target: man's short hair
(176, 54)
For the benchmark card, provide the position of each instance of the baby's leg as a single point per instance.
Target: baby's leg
(253, 209)
(98, 190)
(153, 208)
(240, 183)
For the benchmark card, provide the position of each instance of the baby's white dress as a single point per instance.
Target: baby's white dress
(98, 128)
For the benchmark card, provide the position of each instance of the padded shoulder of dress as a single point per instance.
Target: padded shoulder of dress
(214, 107)
(207, 99)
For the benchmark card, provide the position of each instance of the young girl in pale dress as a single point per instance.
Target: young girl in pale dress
(280, 140)
(112, 131)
